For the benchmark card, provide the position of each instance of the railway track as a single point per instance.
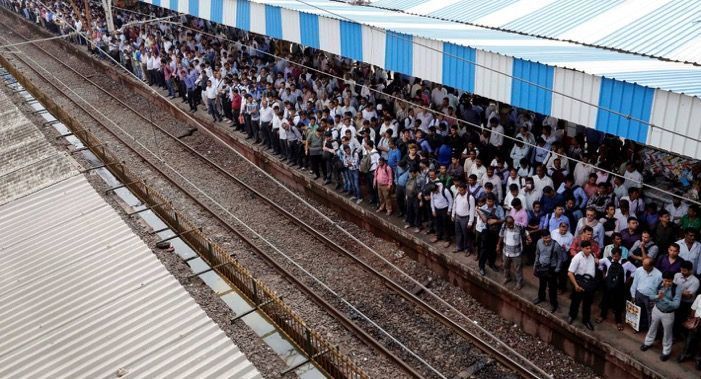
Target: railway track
(166, 142)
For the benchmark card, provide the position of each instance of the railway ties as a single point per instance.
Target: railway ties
(224, 175)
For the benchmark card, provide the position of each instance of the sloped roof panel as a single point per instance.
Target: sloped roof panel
(666, 29)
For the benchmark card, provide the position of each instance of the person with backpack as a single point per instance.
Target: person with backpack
(667, 299)
(512, 241)
(549, 258)
(382, 182)
(616, 272)
(441, 206)
(367, 167)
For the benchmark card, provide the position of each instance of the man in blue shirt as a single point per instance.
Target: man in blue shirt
(646, 280)
(667, 299)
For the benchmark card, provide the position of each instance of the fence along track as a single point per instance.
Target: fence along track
(525, 369)
(320, 351)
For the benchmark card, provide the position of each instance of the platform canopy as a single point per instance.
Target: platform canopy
(644, 99)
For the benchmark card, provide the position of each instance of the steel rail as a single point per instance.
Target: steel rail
(484, 346)
(332, 310)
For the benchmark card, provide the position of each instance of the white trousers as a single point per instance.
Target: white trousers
(667, 321)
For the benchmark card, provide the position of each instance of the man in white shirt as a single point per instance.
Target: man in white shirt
(266, 119)
(441, 207)
(541, 180)
(633, 177)
(581, 271)
(463, 214)
(690, 249)
(677, 210)
(489, 177)
(496, 136)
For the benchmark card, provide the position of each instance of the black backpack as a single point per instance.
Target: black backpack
(615, 276)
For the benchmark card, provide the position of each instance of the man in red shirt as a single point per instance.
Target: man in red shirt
(236, 108)
(587, 234)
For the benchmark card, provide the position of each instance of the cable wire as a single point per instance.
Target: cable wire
(400, 35)
(457, 120)
(238, 220)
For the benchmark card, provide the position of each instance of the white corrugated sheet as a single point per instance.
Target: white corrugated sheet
(81, 295)
(27, 159)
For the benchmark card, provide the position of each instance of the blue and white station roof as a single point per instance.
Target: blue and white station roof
(640, 98)
(669, 29)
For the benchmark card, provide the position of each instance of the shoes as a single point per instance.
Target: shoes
(554, 308)
(389, 213)
(537, 301)
(379, 210)
(434, 239)
(458, 251)
(506, 280)
(518, 287)
(664, 357)
(482, 272)
(644, 347)
(599, 320)
(416, 230)
(589, 325)
(682, 357)
(445, 244)
(359, 201)
(570, 320)
(407, 226)
(316, 177)
(327, 182)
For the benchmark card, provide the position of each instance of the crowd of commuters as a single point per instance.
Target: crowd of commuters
(482, 178)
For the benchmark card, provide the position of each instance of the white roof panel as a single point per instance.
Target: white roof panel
(81, 294)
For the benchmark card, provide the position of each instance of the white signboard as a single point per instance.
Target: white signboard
(633, 315)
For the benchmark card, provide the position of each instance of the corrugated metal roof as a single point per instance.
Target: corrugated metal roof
(669, 29)
(83, 296)
(27, 160)
(645, 71)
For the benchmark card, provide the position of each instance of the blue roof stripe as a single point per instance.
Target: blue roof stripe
(532, 96)
(243, 15)
(470, 10)
(217, 11)
(628, 99)
(352, 40)
(174, 5)
(560, 16)
(156, 2)
(273, 21)
(399, 52)
(309, 29)
(193, 7)
(457, 71)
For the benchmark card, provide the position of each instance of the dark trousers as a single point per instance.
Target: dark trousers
(255, 130)
(646, 306)
(462, 233)
(401, 199)
(585, 298)
(248, 125)
(191, 99)
(680, 316)
(235, 118)
(412, 211)
(562, 277)
(316, 165)
(614, 299)
(548, 282)
(265, 131)
(487, 248)
(442, 221)
(369, 177)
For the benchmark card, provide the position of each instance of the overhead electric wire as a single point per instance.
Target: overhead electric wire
(400, 35)
(456, 119)
(36, 40)
(194, 186)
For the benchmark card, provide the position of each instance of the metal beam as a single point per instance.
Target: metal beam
(248, 312)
